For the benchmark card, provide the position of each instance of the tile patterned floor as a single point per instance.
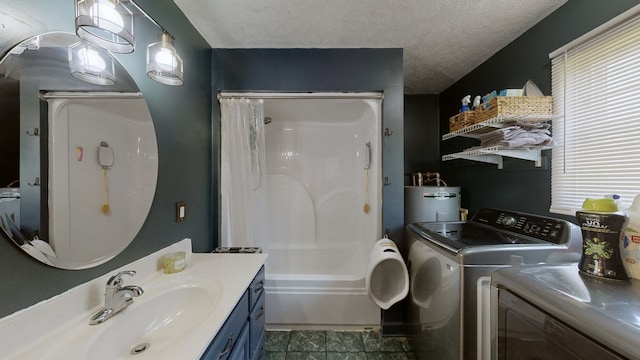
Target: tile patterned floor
(335, 345)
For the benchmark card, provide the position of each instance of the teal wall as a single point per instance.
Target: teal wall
(421, 135)
(519, 186)
(182, 118)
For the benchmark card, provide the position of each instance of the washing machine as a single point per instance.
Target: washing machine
(450, 266)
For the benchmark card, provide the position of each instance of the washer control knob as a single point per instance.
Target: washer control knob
(509, 221)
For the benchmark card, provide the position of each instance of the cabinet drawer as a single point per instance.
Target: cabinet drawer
(256, 288)
(221, 346)
(256, 321)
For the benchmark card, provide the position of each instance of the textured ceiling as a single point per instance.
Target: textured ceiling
(443, 40)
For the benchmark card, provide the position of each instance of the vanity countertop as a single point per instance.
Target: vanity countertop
(34, 332)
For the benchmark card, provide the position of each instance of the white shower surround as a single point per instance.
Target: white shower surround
(319, 236)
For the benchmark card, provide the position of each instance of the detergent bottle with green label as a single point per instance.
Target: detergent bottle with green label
(602, 228)
(631, 242)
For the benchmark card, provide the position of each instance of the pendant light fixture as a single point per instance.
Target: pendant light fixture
(91, 64)
(108, 24)
(105, 23)
(164, 65)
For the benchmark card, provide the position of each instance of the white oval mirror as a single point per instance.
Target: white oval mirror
(79, 158)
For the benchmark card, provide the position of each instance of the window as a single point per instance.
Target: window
(596, 103)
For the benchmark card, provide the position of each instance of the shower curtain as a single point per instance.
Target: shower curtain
(243, 178)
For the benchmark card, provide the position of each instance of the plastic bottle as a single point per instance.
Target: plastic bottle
(602, 228)
(631, 241)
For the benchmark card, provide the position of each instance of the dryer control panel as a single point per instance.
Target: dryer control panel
(539, 227)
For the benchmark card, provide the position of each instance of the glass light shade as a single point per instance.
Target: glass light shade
(164, 65)
(91, 64)
(105, 23)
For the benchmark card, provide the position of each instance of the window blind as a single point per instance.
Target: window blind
(596, 106)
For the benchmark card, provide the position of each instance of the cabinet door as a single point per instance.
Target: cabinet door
(259, 352)
(256, 320)
(222, 345)
(241, 348)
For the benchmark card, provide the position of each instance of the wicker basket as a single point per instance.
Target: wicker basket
(461, 120)
(513, 105)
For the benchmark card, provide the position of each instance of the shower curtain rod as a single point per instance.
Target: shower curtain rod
(305, 95)
(89, 95)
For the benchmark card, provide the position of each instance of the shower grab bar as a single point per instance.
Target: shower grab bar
(367, 155)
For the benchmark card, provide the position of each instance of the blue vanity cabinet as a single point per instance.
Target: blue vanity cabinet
(242, 336)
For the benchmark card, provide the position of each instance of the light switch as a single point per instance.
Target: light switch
(180, 211)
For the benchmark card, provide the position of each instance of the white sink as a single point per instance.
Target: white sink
(166, 314)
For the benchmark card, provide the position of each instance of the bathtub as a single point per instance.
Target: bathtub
(318, 289)
(323, 152)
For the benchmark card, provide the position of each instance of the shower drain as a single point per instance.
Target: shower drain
(139, 349)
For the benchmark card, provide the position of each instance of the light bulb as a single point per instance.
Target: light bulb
(91, 60)
(106, 16)
(165, 59)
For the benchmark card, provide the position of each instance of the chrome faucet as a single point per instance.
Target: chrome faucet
(116, 297)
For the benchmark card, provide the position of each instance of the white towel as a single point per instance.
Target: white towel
(519, 135)
(528, 139)
(498, 135)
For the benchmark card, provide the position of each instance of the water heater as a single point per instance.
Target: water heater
(431, 203)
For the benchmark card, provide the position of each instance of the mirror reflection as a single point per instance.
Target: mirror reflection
(79, 155)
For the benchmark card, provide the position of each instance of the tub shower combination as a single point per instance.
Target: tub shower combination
(323, 206)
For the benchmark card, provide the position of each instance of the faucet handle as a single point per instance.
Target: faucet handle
(116, 280)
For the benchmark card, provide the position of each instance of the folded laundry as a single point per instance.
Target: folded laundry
(501, 134)
(533, 125)
(519, 135)
(530, 139)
